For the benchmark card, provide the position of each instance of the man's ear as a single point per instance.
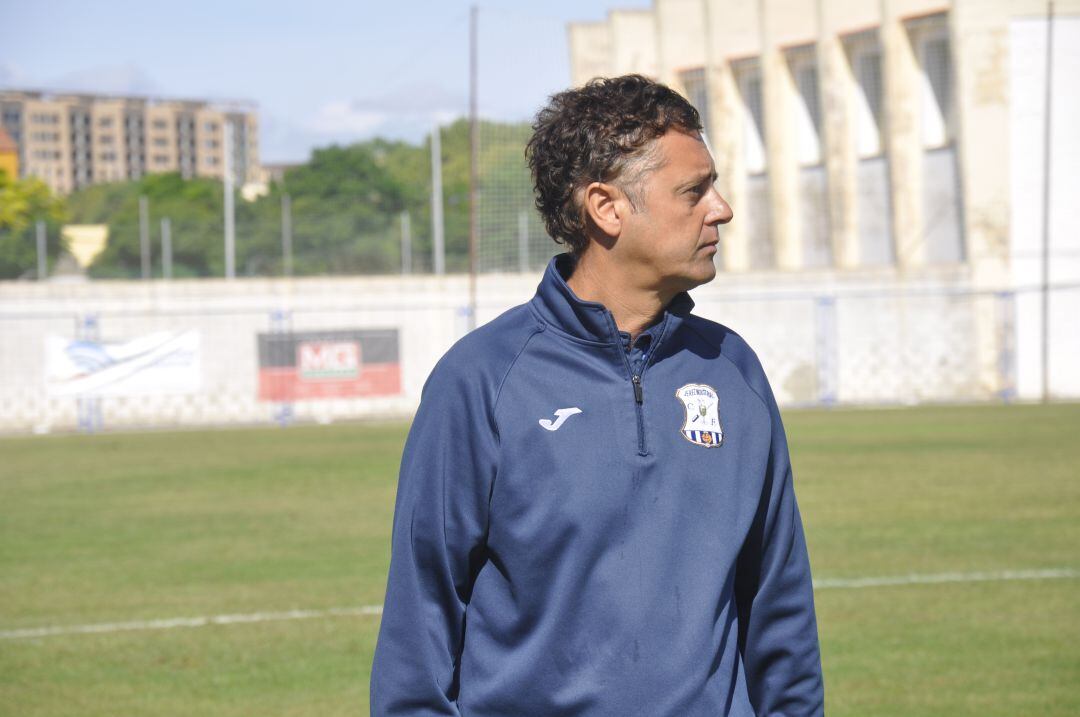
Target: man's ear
(604, 206)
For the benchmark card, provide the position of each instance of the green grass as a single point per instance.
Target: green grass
(127, 527)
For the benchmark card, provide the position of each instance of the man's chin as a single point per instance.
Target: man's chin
(698, 275)
(706, 271)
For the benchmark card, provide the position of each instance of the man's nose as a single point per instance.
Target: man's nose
(720, 211)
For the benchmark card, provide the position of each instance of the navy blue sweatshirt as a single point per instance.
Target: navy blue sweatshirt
(584, 527)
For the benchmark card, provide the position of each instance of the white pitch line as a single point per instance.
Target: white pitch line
(105, 627)
(933, 579)
(821, 584)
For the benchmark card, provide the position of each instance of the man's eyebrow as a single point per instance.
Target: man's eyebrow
(699, 179)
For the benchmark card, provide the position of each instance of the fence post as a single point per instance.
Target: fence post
(280, 330)
(88, 408)
(166, 248)
(523, 242)
(286, 234)
(1006, 313)
(42, 255)
(406, 244)
(144, 236)
(826, 349)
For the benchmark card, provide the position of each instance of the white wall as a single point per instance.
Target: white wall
(1027, 64)
(869, 336)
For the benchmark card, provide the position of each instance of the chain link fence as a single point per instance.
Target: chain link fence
(212, 353)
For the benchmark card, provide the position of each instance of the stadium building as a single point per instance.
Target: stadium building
(73, 140)
(906, 141)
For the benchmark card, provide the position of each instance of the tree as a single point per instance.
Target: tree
(23, 203)
(346, 203)
(194, 208)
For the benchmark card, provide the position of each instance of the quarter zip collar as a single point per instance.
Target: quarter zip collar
(559, 306)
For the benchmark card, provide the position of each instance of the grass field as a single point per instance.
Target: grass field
(114, 528)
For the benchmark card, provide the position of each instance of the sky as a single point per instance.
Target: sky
(319, 72)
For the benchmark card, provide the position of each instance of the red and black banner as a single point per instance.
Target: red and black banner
(309, 365)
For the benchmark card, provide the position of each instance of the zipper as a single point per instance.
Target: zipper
(639, 399)
(639, 407)
(635, 381)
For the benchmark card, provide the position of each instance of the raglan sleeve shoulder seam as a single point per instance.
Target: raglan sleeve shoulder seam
(506, 376)
(484, 360)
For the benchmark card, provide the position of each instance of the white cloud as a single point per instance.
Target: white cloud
(11, 75)
(126, 79)
(342, 118)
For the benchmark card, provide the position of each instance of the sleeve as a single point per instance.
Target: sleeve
(439, 527)
(778, 636)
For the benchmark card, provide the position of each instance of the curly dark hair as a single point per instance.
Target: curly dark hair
(602, 132)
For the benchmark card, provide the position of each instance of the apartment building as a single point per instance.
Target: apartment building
(74, 140)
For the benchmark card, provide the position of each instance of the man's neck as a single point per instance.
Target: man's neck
(634, 308)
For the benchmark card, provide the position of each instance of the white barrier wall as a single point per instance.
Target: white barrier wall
(857, 337)
(1028, 218)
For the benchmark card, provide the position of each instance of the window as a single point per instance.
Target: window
(864, 60)
(105, 122)
(748, 79)
(802, 63)
(930, 40)
(160, 124)
(211, 144)
(696, 90)
(161, 142)
(106, 139)
(161, 159)
(210, 126)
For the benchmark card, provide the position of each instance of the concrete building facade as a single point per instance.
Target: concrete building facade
(74, 140)
(903, 137)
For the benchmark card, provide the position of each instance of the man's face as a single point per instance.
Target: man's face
(668, 242)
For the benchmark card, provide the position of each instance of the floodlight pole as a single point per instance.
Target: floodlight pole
(1048, 107)
(230, 209)
(438, 245)
(473, 161)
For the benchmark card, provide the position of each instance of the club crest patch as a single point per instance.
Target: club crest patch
(702, 425)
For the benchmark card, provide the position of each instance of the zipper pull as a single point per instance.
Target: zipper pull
(638, 395)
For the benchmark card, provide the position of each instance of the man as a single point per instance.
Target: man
(595, 514)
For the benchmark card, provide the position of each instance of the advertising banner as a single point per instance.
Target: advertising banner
(164, 362)
(347, 363)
